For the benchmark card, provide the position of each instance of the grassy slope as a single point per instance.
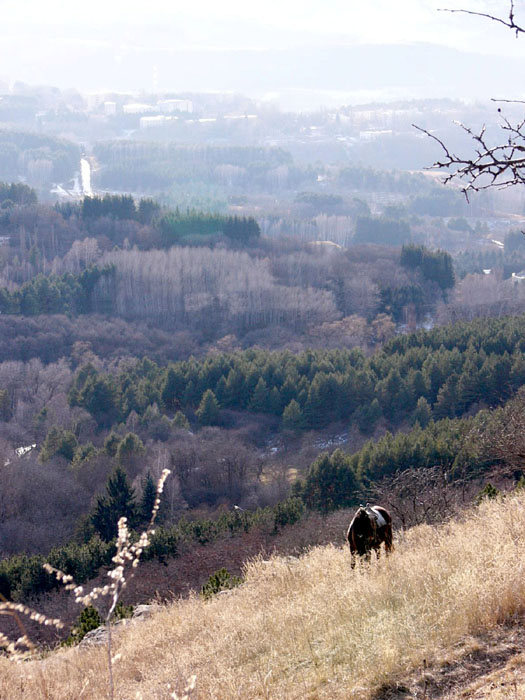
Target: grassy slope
(311, 627)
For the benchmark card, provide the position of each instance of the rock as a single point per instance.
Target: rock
(144, 611)
(95, 637)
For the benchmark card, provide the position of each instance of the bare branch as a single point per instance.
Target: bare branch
(492, 166)
(510, 23)
(495, 99)
(497, 166)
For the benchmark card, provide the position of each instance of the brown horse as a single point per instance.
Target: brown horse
(370, 527)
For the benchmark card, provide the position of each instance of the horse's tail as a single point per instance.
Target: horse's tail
(389, 538)
(388, 532)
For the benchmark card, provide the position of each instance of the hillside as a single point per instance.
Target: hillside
(440, 618)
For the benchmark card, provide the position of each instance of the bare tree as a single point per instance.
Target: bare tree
(501, 165)
(416, 496)
(503, 438)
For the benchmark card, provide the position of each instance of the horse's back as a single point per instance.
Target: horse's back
(384, 514)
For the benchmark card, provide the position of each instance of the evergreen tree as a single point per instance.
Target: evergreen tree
(293, 418)
(171, 389)
(259, 401)
(59, 442)
(111, 444)
(130, 447)
(446, 405)
(118, 502)
(275, 401)
(180, 421)
(330, 483)
(422, 414)
(5, 405)
(148, 498)
(208, 411)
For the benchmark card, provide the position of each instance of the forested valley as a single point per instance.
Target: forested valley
(285, 329)
(137, 337)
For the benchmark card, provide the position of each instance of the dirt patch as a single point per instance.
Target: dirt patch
(479, 668)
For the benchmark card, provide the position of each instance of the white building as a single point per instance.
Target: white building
(155, 122)
(137, 108)
(170, 106)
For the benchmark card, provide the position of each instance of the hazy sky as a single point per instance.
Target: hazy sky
(206, 22)
(58, 42)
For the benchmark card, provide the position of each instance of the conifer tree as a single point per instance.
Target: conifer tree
(422, 413)
(259, 401)
(147, 500)
(208, 411)
(293, 417)
(118, 502)
(180, 421)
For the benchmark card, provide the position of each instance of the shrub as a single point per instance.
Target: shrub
(89, 619)
(288, 512)
(488, 492)
(221, 580)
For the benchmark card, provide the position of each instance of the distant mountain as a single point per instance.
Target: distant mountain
(318, 74)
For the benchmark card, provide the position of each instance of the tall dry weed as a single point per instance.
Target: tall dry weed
(125, 560)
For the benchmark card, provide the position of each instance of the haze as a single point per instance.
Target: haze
(270, 49)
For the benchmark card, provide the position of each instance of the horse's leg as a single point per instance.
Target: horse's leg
(389, 546)
(353, 552)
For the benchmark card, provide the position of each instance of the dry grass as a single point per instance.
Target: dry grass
(310, 628)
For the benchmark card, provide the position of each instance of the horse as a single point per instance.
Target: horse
(370, 527)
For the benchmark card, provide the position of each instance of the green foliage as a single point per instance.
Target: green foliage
(5, 405)
(130, 447)
(330, 483)
(148, 498)
(488, 492)
(358, 177)
(520, 483)
(422, 414)
(208, 411)
(20, 151)
(452, 368)
(180, 421)
(118, 502)
(59, 442)
(293, 418)
(367, 417)
(161, 166)
(55, 294)
(164, 543)
(172, 389)
(435, 266)
(114, 206)
(177, 228)
(395, 299)
(219, 581)
(17, 193)
(440, 201)
(88, 620)
(111, 444)
(459, 224)
(288, 512)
